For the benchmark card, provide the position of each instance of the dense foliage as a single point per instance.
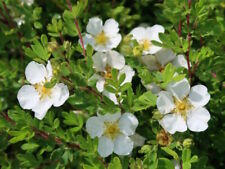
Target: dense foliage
(54, 30)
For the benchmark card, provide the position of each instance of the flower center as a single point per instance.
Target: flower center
(146, 44)
(182, 107)
(101, 38)
(108, 73)
(43, 91)
(111, 130)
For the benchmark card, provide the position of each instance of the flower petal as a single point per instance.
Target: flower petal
(28, 97)
(154, 32)
(155, 89)
(180, 61)
(49, 71)
(165, 102)
(179, 89)
(153, 49)
(95, 127)
(60, 93)
(105, 146)
(138, 140)
(123, 145)
(111, 96)
(129, 72)
(99, 61)
(151, 62)
(111, 27)
(164, 56)
(197, 119)
(110, 117)
(100, 84)
(139, 33)
(35, 72)
(42, 107)
(115, 59)
(199, 96)
(94, 26)
(128, 124)
(88, 39)
(113, 42)
(173, 122)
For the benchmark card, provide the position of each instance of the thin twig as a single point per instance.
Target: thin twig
(77, 27)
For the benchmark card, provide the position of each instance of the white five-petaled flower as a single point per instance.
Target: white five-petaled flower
(36, 96)
(144, 37)
(103, 63)
(113, 131)
(102, 37)
(182, 107)
(160, 59)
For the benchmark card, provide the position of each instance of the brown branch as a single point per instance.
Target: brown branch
(61, 37)
(77, 27)
(91, 90)
(42, 134)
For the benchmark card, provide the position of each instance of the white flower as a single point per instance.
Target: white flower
(162, 58)
(102, 37)
(183, 107)
(36, 96)
(28, 2)
(113, 131)
(20, 21)
(103, 63)
(144, 36)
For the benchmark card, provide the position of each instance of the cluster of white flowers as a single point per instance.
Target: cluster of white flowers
(181, 106)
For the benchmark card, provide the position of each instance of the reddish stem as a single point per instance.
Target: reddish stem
(189, 42)
(77, 27)
(179, 28)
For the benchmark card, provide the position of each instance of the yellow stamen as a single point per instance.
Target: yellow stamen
(43, 91)
(111, 130)
(182, 107)
(101, 38)
(108, 73)
(146, 44)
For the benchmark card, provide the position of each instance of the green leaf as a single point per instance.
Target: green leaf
(37, 25)
(125, 87)
(29, 146)
(171, 152)
(115, 164)
(144, 101)
(186, 155)
(121, 79)
(72, 119)
(18, 136)
(164, 163)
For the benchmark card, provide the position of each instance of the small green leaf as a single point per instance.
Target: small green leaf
(171, 152)
(115, 164)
